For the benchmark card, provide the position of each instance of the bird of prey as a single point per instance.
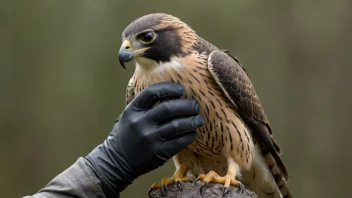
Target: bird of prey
(235, 145)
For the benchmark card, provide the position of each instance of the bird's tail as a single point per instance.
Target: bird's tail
(265, 177)
(278, 176)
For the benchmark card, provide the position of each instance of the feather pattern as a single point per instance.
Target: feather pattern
(236, 128)
(234, 81)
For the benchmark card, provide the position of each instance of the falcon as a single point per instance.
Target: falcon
(235, 145)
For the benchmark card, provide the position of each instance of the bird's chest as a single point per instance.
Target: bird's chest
(223, 132)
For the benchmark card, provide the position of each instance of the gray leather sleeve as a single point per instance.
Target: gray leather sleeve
(76, 181)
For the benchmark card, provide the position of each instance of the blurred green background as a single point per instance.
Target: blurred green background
(61, 87)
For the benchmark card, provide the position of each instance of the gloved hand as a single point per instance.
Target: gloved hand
(145, 137)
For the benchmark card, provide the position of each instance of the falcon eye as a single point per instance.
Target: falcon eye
(147, 37)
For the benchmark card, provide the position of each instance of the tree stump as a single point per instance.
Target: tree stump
(192, 190)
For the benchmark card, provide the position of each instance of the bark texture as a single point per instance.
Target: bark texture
(212, 190)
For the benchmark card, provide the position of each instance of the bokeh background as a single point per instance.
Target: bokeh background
(61, 87)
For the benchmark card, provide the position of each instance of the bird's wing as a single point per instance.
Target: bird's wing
(235, 83)
(130, 94)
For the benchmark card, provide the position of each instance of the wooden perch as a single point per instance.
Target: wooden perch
(212, 190)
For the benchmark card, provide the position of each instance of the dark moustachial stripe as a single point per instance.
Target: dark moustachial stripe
(168, 42)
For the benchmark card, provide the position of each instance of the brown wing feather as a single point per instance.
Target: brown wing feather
(234, 81)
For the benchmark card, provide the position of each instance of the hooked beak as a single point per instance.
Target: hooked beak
(129, 51)
(125, 53)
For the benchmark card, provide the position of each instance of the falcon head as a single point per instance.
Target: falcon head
(155, 38)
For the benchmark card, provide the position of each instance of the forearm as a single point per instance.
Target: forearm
(144, 138)
(76, 181)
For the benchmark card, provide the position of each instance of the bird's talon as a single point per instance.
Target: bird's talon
(149, 192)
(226, 190)
(201, 188)
(197, 180)
(178, 183)
(163, 190)
(240, 188)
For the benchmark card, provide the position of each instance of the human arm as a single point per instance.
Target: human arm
(144, 138)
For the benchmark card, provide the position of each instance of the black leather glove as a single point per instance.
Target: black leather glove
(145, 137)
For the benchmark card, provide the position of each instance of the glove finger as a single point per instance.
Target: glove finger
(150, 95)
(173, 108)
(174, 146)
(179, 127)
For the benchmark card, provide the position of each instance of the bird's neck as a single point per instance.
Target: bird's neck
(149, 72)
(151, 67)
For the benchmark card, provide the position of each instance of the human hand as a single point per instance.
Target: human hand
(145, 137)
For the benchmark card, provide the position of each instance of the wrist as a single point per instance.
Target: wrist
(103, 184)
(110, 169)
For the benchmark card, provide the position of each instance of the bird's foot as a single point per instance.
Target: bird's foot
(168, 181)
(225, 180)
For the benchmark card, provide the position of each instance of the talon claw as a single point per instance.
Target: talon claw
(163, 190)
(201, 188)
(178, 183)
(196, 180)
(149, 192)
(240, 187)
(226, 190)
